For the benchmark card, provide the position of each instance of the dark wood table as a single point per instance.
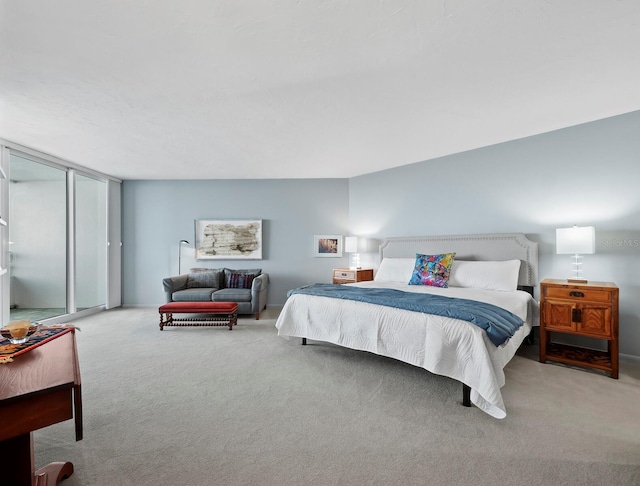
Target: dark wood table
(39, 388)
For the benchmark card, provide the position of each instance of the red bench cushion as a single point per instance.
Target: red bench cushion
(199, 307)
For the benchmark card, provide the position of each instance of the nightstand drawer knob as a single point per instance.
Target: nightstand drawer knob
(576, 294)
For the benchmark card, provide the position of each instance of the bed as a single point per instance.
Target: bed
(488, 269)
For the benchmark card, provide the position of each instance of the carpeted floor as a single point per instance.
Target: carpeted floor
(209, 406)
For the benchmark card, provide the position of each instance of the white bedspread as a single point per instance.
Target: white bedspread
(441, 345)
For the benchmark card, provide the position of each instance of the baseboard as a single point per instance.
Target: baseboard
(630, 358)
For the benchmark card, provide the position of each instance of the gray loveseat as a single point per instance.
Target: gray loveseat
(246, 287)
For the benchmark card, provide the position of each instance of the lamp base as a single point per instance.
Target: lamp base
(355, 262)
(577, 280)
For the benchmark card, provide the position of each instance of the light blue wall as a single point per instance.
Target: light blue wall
(585, 175)
(158, 214)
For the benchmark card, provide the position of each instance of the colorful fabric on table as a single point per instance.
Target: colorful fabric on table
(44, 334)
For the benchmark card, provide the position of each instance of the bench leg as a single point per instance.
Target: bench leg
(165, 321)
(219, 319)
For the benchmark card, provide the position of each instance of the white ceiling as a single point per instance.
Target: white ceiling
(166, 89)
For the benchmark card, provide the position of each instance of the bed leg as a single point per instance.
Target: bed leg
(529, 340)
(466, 395)
(304, 341)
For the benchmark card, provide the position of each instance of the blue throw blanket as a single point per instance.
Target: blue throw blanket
(500, 324)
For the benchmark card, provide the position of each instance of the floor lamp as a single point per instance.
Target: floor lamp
(180, 255)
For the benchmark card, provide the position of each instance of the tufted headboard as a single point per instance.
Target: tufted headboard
(497, 246)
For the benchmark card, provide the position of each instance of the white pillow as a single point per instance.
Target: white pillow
(395, 270)
(485, 275)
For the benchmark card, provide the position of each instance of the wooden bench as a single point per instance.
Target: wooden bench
(216, 314)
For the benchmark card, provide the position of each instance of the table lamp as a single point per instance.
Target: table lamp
(576, 241)
(351, 246)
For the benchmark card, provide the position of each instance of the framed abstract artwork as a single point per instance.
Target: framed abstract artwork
(228, 239)
(327, 246)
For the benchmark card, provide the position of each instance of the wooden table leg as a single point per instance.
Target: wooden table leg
(17, 456)
(20, 464)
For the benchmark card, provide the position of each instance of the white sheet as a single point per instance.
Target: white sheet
(441, 345)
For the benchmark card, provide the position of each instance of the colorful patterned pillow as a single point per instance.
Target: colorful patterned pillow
(432, 270)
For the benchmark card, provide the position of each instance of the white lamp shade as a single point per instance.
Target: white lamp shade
(576, 240)
(351, 244)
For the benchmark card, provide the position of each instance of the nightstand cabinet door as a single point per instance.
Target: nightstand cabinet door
(594, 320)
(558, 316)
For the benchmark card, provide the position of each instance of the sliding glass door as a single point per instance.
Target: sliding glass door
(57, 241)
(90, 242)
(37, 240)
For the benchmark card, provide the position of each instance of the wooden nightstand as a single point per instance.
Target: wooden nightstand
(347, 275)
(583, 309)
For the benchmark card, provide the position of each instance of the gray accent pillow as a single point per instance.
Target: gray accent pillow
(210, 279)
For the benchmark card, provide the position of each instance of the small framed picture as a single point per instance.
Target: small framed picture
(327, 246)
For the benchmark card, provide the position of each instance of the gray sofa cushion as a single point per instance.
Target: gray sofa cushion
(193, 295)
(232, 295)
(209, 279)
